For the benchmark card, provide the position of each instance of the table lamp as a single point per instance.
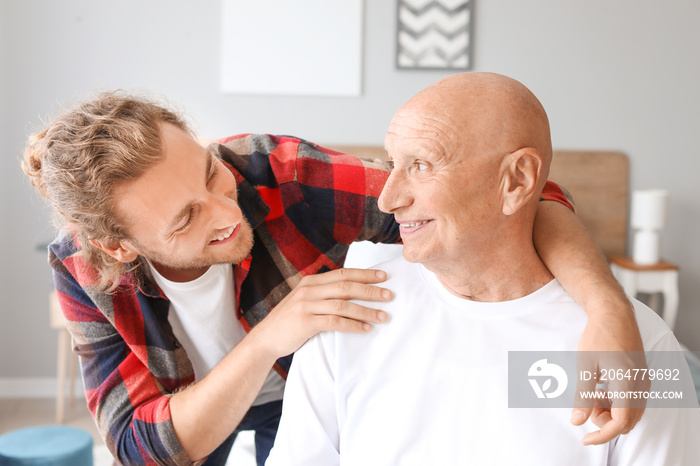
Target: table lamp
(648, 219)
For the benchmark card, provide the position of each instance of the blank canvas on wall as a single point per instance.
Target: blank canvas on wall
(300, 47)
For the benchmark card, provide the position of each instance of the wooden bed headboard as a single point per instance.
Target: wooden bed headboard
(598, 181)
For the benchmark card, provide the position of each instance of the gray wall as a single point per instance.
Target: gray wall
(619, 75)
(5, 164)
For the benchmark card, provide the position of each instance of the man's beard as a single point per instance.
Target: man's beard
(242, 245)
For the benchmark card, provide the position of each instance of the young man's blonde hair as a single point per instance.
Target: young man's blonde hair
(83, 154)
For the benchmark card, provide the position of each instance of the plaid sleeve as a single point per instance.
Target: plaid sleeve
(327, 195)
(343, 191)
(129, 405)
(358, 182)
(554, 192)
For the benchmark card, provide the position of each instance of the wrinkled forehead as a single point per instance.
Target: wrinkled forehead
(471, 114)
(421, 131)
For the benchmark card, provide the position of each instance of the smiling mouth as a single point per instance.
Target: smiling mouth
(411, 227)
(227, 235)
(414, 224)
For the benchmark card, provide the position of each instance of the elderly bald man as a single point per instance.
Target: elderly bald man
(471, 155)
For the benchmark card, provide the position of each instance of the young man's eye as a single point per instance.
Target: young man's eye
(191, 217)
(184, 227)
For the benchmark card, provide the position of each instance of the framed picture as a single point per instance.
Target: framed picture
(434, 34)
(304, 47)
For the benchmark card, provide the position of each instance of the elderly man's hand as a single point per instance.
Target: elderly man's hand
(612, 346)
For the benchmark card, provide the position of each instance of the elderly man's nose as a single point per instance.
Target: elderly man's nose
(391, 197)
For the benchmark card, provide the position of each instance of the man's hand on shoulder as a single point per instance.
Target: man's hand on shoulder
(320, 303)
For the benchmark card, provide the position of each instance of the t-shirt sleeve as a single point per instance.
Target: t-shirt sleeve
(308, 431)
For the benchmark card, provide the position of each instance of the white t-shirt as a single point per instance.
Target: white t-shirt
(430, 386)
(203, 318)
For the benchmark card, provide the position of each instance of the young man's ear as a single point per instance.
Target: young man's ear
(121, 250)
(520, 179)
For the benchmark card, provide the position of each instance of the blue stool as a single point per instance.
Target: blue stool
(46, 446)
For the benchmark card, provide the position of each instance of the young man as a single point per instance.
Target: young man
(432, 385)
(180, 264)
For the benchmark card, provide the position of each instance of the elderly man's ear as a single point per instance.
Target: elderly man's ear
(120, 250)
(520, 174)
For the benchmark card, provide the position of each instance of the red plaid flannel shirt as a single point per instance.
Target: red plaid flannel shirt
(306, 204)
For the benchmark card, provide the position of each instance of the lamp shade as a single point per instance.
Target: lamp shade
(649, 209)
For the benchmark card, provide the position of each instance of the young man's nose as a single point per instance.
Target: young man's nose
(225, 212)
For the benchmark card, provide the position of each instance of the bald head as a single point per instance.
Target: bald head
(489, 113)
(471, 154)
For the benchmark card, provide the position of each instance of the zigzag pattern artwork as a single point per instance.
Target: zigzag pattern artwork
(434, 34)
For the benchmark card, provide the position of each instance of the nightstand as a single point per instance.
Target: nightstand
(657, 278)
